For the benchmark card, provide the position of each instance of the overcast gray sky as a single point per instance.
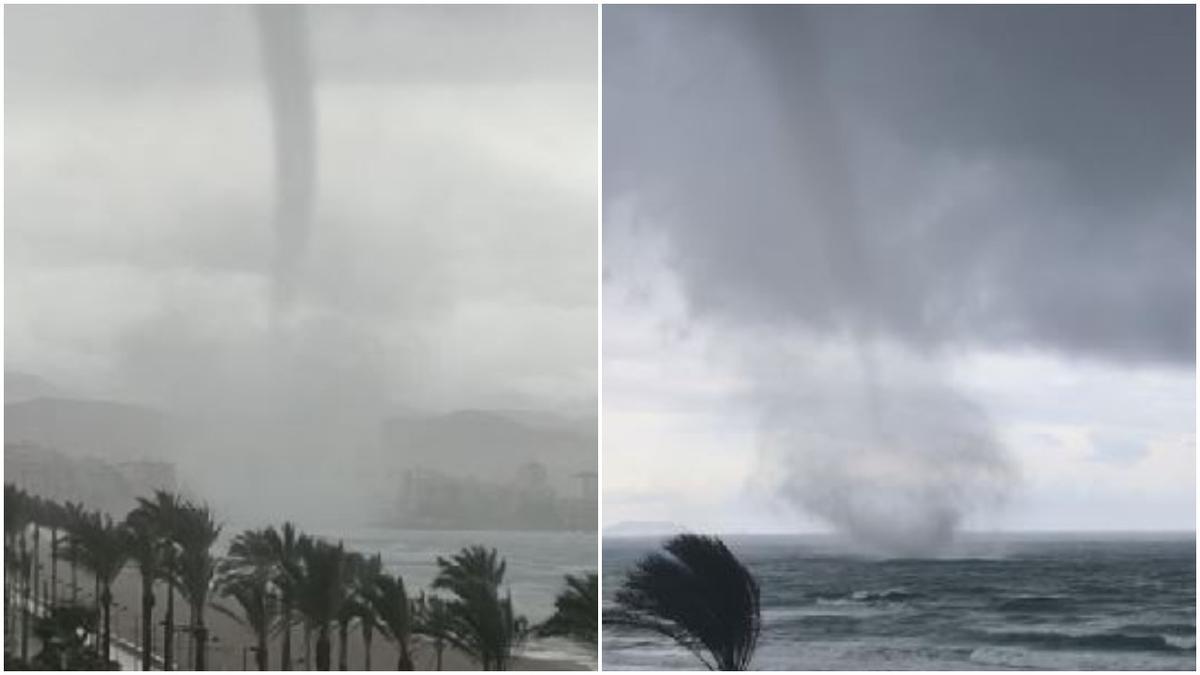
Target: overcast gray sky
(452, 258)
(900, 269)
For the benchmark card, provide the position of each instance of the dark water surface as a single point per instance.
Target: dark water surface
(1083, 601)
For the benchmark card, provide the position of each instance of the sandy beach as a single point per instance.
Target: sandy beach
(230, 642)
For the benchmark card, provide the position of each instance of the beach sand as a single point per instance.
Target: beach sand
(230, 641)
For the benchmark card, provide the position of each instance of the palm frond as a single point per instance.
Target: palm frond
(575, 611)
(697, 593)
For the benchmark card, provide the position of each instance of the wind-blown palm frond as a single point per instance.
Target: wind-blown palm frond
(322, 591)
(258, 610)
(433, 621)
(195, 533)
(482, 623)
(393, 611)
(366, 575)
(148, 549)
(163, 510)
(253, 600)
(575, 611)
(102, 547)
(283, 547)
(698, 594)
(473, 564)
(249, 574)
(18, 510)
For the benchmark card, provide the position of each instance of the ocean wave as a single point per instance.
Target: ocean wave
(1035, 603)
(558, 649)
(868, 597)
(1113, 641)
(1187, 644)
(1172, 629)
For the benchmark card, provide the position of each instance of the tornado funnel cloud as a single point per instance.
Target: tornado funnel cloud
(288, 73)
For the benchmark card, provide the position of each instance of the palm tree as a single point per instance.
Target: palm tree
(195, 533)
(482, 623)
(253, 595)
(433, 621)
(389, 602)
(322, 592)
(698, 594)
(248, 573)
(284, 548)
(368, 572)
(38, 512)
(360, 572)
(18, 514)
(54, 517)
(102, 547)
(164, 509)
(147, 548)
(73, 512)
(575, 611)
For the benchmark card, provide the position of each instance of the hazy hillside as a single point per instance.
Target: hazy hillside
(109, 486)
(228, 460)
(23, 387)
(83, 428)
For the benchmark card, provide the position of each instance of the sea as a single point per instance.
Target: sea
(536, 565)
(998, 602)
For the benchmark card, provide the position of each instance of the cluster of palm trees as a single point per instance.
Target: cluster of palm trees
(169, 539)
(77, 537)
(274, 581)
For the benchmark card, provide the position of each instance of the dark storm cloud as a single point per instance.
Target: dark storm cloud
(995, 176)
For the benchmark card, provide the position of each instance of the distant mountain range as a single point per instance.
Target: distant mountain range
(484, 445)
(83, 428)
(23, 387)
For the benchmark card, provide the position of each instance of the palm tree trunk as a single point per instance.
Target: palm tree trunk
(53, 565)
(7, 600)
(285, 651)
(189, 653)
(367, 633)
(24, 599)
(405, 662)
(169, 630)
(74, 583)
(438, 648)
(9, 593)
(106, 636)
(37, 557)
(201, 634)
(263, 655)
(99, 605)
(343, 637)
(323, 648)
(308, 652)
(147, 620)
